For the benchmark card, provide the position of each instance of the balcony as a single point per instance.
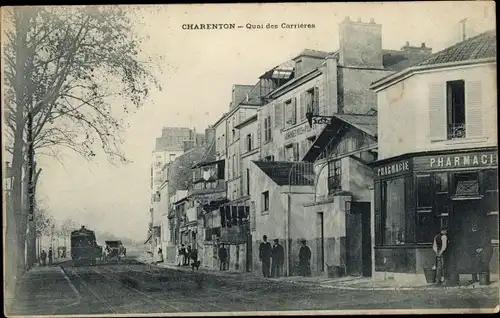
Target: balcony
(235, 234)
(456, 131)
(207, 187)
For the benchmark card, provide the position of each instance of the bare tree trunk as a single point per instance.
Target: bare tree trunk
(32, 256)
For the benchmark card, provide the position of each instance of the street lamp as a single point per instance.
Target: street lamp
(317, 119)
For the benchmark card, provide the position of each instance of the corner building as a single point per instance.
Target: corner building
(438, 159)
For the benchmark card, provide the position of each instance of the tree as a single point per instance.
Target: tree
(43, 223)
(67, 226)
(67, 67)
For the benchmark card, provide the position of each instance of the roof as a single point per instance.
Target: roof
(476, 49)
(283, 70)
(279, 172)
(481, 46)
(313, 53)
(365, 123)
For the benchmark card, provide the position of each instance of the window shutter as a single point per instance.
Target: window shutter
(278, 115)
(437, 111)
(259, 128)
(303, 105)
(294, 110)
(474, 125)
(316, 100)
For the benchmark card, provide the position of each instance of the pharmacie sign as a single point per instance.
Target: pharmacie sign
(466, 160)
(394, 168)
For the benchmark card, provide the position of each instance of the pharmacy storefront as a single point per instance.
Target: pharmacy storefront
(416, 194)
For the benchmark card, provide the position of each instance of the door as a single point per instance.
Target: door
(358, 240)
(464, 213)
(249, 253)
(320, 242)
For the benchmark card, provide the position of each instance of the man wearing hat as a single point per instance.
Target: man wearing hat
(304, 259)
(278, 255)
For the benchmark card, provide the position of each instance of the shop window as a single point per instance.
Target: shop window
(393, 211)
(265, 201)
(466, 184)
(424, 191)
(455, 105)
(334, 176)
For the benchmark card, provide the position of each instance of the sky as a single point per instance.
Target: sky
(200, 67)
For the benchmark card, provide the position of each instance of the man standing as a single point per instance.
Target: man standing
(183, 255)
(50, 256)
(440, 246)
(278, 255)
(222, 257)
(43, 256)
(480, 250)
(265, 255)
(304, 260)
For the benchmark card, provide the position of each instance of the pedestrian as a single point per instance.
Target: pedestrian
(183, 255)
(278, 255)
(160, 255)
(265, 255)
(50, 256)
(58, 252)
(440, 247)
(194, 258)
(43, 256)
(222, 257)
(178, 257)
(188, 255)
(480, 249)
(304, 260)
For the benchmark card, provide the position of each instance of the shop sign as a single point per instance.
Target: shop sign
(455, 161)
(394, 168)
(297, 131)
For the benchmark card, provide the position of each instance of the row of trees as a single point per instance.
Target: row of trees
(64, 70)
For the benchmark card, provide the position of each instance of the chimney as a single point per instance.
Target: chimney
(188, 145)
(239, 94)
(209, 136)
(422, 49)
(360, 44)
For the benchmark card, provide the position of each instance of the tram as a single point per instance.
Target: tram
(83, 246)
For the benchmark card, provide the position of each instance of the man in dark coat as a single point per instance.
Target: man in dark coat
(278, 255)
(480, 250)
(222, 257)
(50, 256)
(265, 256)
(304, 260)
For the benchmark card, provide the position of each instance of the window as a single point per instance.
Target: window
(267, 128)
(265, 201)
(466, 184)
(393, 211)
(424, 191)
(291, 111)
(249, 142)
(490, 201)
(334, 176)
(455, 109)
(234, 166)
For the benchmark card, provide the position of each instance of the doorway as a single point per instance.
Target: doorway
(358, 240)
(320, 242)
(464, 214)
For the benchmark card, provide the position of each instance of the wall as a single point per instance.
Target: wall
(360, 44)
(404, 106)
(360, 179)
(220, 137)
(356, 96)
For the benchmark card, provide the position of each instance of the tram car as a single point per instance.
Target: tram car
(114, 250)
(83, 246)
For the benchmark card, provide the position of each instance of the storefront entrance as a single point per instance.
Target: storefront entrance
(465, 213)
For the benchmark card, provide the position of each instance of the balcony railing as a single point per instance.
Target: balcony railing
(206, 188)
(456, 131)
(235, 234)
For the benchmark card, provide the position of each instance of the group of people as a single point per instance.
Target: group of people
(478, 249)
(272, 258)
(44, 255)
(184, 255)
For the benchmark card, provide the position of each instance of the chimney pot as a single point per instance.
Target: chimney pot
(372, 20)
(347, 18)
(423, 44)
(407, 43)
(359, 19)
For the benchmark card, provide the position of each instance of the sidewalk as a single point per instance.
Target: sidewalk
(346, 283)
(42, 289)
